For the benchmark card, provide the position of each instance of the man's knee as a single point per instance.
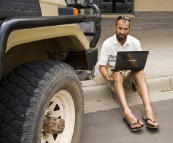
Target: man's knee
(139, 75)
(117, 76)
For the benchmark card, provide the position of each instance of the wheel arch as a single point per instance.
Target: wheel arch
(44, 48)
(18, 37)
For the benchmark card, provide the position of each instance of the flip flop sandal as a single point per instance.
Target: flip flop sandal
(129, 125)
(149, 125)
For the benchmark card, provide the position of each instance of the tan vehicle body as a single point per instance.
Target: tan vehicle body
(18, 37)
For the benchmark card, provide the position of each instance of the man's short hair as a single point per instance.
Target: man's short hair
(122, 17)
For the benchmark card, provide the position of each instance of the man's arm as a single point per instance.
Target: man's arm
(104, 73)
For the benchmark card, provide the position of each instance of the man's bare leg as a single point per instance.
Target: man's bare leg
(119, 90)
(142, 87)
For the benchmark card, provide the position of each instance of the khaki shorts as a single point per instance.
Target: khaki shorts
(127, 77)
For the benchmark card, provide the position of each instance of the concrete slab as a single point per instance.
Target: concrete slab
(160, 96)
(171, 77)
(147, 75)
(100, 105)
(96, 92)
(100, 81)
(98, 98)
(159, 84)
(88, 83)
(154, 85)
(154, 97)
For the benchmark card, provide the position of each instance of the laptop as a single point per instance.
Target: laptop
(131, 60)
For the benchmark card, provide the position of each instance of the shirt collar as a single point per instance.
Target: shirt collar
(126, 43)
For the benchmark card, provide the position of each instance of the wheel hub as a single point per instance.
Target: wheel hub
(53, 125)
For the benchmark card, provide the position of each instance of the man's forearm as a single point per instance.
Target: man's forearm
(103, 71)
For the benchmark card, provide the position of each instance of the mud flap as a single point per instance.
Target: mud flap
(91, 58)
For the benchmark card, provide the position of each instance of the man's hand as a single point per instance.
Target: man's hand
(104, 73)
(110, 79)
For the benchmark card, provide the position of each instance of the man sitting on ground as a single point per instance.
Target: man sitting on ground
(121, 41)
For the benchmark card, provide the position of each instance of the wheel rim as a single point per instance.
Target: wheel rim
(61, 106)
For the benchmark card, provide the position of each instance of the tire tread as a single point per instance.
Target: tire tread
(19, 101)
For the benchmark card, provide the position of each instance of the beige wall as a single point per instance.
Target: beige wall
(153, 5)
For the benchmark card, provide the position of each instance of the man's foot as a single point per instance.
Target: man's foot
(150, 123)
(132, 121)
(149, 119)
(131, 124)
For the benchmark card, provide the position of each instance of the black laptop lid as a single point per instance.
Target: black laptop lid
(131, 60)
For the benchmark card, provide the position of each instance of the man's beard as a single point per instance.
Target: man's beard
(121, 37)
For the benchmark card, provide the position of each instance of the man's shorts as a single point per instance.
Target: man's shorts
(127, 78)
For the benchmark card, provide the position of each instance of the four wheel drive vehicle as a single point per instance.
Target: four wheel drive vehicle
(42, 49)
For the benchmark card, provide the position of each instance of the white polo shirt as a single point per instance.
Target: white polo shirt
(111, 46)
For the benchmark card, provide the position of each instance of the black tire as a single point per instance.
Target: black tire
(26, 94)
